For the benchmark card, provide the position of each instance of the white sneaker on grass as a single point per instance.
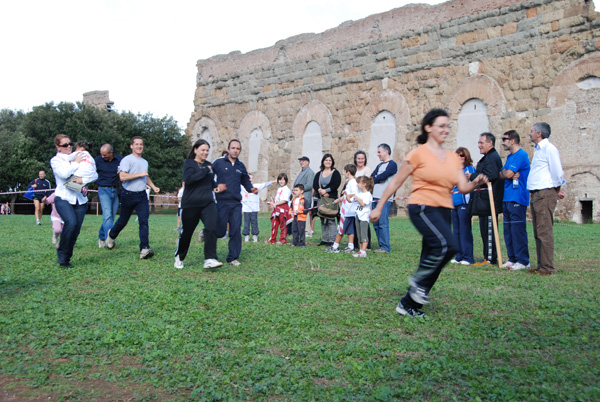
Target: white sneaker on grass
(178, 263)
(463, 262)
(110, 242)
(212, 263)
(101, 243)
(255, 239)
(235, 263)
(246, 238)
(146, 253)
(508, 264)
(517, 266)
(453, 261)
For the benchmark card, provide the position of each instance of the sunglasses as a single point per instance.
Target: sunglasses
(505, 138)
(68, 144)
(461, 155)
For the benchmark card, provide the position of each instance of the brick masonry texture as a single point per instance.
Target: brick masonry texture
(530, 59)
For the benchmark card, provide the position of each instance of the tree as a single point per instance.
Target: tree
(28, 140)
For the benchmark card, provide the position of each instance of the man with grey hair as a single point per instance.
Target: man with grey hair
(107, 165)
(545, 180)
(382, 175)
(306, 177)
(481, 205)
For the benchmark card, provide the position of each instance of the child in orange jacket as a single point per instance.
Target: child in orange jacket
(299, 223)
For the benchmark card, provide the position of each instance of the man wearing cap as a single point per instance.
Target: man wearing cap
(306, 178)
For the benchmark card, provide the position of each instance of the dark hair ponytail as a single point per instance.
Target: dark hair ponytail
(428, 120)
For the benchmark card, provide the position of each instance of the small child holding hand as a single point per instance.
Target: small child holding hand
(364, 199)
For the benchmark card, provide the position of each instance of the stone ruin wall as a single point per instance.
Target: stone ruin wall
(526, 60)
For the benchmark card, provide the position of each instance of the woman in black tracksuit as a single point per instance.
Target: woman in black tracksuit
(198, 203)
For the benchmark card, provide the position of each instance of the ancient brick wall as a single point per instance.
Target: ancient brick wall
(527, 61)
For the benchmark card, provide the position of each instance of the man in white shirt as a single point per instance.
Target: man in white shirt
(545, 179)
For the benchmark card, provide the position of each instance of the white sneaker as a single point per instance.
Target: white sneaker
(146, 253)
(453, 261)
(246, 238)
(212, 263)
(110, 242)
(359, 255)
(101, 243)
(508, 264)
(201, 236)
(463, 262)
(178, 262)
(37, 222)
(235, 263)
(255, 239)
(518, 266)
(54, 238)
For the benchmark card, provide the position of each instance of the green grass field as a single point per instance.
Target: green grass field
(290, 324)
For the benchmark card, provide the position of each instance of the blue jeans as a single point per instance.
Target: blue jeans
(382, 226)
(437, 248)
(515, 232)
(463, 233)
(109, 201)
(130, 201)
(73, 216)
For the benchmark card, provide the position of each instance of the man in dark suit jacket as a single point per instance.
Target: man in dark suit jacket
(490, 165)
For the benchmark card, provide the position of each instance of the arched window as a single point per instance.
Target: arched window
(383, 131)
(206, 135)
(472, 122)
(312, 145)
(256, 137)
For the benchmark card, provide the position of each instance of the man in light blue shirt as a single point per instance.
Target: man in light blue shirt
(133, 172)
(516, 199)
(545, 180)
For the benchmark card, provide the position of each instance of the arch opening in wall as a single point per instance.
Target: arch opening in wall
(312, 144)
(472, 121)
(207, 135)
(256, 137)
(383, 131)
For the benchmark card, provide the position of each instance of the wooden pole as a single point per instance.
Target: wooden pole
(495, 222)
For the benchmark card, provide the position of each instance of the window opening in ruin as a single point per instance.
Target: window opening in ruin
(587, 211)
(256, 137)
(312, 144)
(206, 135)
(383, 131)
(589, 83)
(472, 121)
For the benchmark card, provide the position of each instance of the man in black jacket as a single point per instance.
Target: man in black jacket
(490, 165)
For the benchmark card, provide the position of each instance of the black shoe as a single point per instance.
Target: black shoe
(403, 310)
(322, 243)
(65, 265)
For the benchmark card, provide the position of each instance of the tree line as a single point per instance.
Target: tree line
(27, 141)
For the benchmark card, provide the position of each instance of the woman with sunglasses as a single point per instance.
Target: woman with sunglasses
(71, 205)
(435, 171)
(461, 214)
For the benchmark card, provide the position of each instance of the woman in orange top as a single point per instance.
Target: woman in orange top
(435, 171)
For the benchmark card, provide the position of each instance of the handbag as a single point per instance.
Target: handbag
(30, 192)
(327, 209)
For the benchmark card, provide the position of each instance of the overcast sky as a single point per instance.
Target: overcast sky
(145, 52)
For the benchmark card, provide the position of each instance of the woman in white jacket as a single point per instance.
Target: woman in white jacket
(71, 205)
